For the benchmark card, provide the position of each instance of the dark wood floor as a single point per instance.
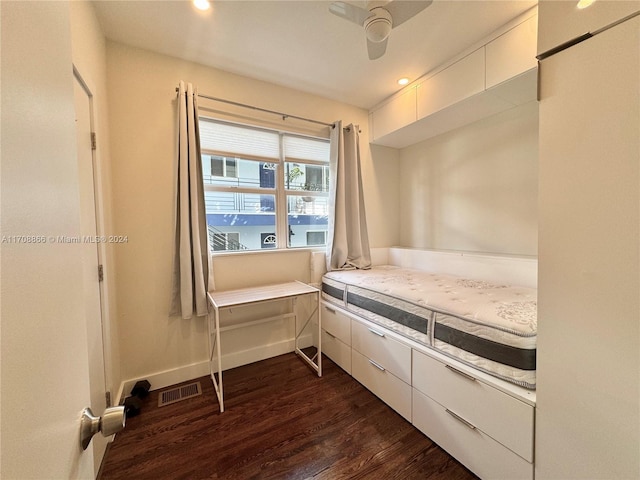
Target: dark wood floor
(280, 422)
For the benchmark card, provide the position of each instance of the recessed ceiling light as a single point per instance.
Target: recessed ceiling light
(403, 81)
(584, 3)
(202, 4)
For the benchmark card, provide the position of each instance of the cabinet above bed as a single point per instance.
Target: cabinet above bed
(495, 77)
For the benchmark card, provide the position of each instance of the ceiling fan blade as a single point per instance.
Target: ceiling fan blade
(350, 12)
(403, 10)
(376, 49)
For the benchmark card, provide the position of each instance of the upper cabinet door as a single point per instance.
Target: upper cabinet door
(512, 53)
(453, 84)
(562, 21)
(397, 113)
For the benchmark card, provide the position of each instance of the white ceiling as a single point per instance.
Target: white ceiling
(300, 44)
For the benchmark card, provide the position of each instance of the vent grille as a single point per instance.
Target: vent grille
(179, 393)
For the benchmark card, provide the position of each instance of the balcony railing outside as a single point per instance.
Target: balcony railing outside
(220, 241)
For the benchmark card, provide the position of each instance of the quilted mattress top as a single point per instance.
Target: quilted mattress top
(505, 307)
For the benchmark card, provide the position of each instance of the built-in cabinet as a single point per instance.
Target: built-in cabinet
(512, 53)
(461, 80)
(487, 424)
(568, 22)
(495, 77)
(396, 114)
(588, 371)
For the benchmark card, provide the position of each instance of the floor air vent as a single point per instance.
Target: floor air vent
(180, 393)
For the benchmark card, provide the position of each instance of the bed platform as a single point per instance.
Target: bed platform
(489, 326)
(448, 341)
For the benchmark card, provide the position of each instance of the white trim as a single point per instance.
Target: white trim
(208, 187)
(262, 352)
(282, 224)
(185, 373)
(269, 251)
(166, 378)
(90, 88)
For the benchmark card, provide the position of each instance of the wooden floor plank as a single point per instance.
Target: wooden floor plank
(280, 422)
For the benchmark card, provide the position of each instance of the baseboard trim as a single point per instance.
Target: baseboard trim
(185, 373)
(166, 378)
(245, 357)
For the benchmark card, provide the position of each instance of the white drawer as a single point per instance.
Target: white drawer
(372, 342)
(389, 388)
(336, 323)
(503, 417)
(337, 351)
(470, 446)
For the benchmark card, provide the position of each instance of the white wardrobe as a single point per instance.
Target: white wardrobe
(588, 395)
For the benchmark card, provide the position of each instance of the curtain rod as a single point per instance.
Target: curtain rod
(283, 115)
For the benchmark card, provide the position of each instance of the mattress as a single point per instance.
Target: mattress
(489, 326)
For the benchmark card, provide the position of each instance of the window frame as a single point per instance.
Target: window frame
(280, 192)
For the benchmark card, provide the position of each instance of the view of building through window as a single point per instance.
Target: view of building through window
(263, 188)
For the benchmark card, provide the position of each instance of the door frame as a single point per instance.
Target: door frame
(89, 88)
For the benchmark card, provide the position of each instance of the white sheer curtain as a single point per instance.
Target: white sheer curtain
(348, 245)
(192, 273)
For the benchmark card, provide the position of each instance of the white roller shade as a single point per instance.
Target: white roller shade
(238, 140)
(305, 148)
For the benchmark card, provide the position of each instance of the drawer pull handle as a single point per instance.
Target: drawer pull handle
(376, 332)
(330, 334)
(330, 310)
(465, 375)
(377, 365)
(460, 419)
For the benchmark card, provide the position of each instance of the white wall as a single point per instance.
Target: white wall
(142, 100)
(45, 377)
(474, 188)
(382, 196)
(512, 270)
(88, 49)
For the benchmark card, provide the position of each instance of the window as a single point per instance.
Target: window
(316, 179)
(224, 241)
(268, 240)
(317, 237)
(269, 189)
(223, 166)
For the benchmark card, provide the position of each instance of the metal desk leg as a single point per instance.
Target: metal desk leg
(316, 361)
(216, 346)
(319, 335)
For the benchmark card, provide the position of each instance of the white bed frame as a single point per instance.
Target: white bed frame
(484, 422)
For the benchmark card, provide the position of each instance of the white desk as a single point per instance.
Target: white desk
(249, 296)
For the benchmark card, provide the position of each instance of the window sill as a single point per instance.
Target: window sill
(268, 251)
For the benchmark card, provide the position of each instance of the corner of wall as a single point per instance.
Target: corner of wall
(380, 256)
